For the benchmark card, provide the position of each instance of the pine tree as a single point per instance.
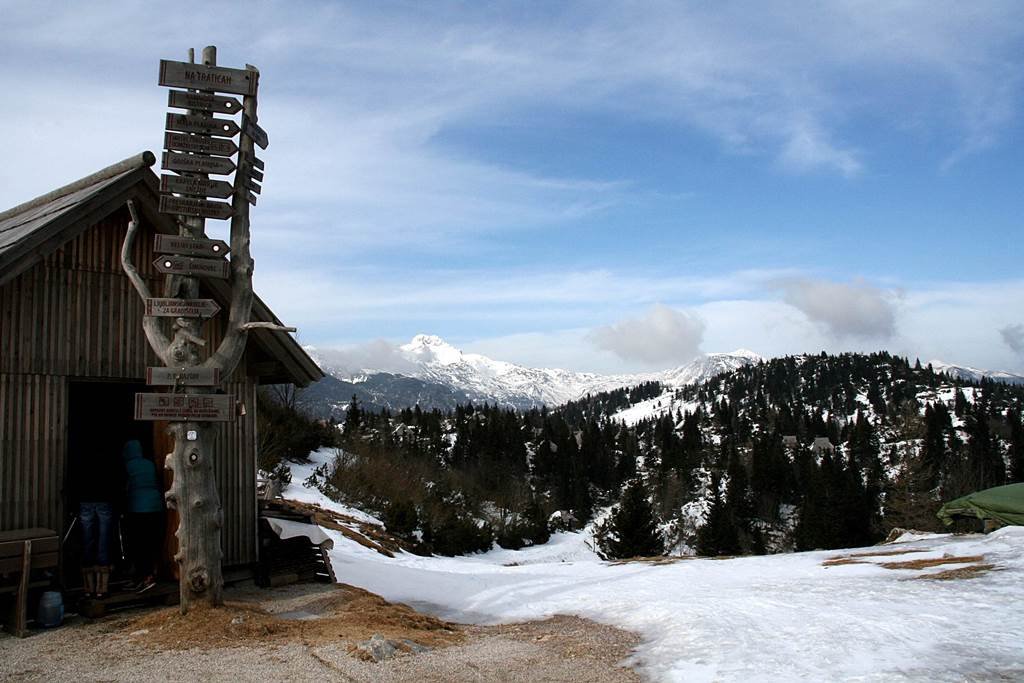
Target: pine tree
(718, 536)
(353, 418)
(1016, 445)
(632, 528)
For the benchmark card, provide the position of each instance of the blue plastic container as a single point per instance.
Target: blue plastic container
(51, 610)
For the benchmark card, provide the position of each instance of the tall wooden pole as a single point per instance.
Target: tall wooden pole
(193, 493)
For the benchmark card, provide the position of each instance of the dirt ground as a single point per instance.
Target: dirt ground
(309, 632)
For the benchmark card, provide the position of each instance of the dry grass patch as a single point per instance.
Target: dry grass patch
(655, 559)
(933, 562)
(855, 558)
(347, 614)
(969, 572)
(365, 534)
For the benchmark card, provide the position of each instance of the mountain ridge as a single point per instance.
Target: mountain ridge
(440, 375)
(432, 373)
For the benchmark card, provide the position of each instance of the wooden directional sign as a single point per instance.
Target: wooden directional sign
(201, 144)
(255, 175)
(190, 377)
(190, 246)
(201, 187)
(253, 160)
(190, 206)
(185, 407)
(180, 99)
(202, 124)
(251, 197)
(195, 163)
(202, 77)
(186, 265)
(182, 308)
(253, 185)
(252, 129)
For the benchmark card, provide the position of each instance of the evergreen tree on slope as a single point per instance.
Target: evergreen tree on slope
(632, 528)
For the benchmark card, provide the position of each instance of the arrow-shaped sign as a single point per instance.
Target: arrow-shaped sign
(252, 160)
(190, 206)
(253, 185)
(251, 197)
(185, 265)
(190, 246)
(253, 130)
(225, 128)
(254, 174)
(202, 77)
(182, 308)
(180, 99)
(197, 163)
(194, 185)
(200, 144)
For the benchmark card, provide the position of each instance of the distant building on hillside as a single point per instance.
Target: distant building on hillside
(822, 445)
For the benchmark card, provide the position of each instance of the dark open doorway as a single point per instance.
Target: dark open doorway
(101, 418)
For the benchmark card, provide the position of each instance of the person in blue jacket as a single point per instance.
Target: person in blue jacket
(144, 513)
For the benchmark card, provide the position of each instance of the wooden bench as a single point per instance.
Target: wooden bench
(23, 551)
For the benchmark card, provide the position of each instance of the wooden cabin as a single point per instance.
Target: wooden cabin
(73, 355)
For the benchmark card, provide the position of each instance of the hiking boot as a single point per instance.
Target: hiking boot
(102, 581)
(89, 581)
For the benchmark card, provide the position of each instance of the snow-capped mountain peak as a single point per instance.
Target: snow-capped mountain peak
(705, 367)
(429, 348)
(970, 374)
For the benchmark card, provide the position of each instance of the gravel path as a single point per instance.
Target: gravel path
(114, 649)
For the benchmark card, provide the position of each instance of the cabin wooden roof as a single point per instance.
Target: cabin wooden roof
(31, 231)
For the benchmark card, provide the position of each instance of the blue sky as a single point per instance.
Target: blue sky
(599, 186)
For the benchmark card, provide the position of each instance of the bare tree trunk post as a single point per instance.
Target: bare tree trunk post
(193, 493)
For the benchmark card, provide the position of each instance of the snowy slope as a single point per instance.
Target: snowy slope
(432, 360)
(769, 618)
(970, 374)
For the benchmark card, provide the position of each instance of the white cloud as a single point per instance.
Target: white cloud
(844, 310)
(380, 355)
(663, 336)
(1013, 337)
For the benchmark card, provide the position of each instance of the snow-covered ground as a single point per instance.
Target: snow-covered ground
(772, 618)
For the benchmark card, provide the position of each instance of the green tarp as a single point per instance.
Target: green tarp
(1003, 503)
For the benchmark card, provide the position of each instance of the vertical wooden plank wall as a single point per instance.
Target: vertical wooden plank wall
(75, 316)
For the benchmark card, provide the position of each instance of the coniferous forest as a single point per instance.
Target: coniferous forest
(794, 453)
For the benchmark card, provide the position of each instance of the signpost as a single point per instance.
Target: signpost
(195, 163)
(188, 206)
(196, 185)
(200, 144)
(203, 77)
(202, 124)
(182, 308)
(186, 265)
(190, 246)
(192, 377)
(185, 407)
(180, 99)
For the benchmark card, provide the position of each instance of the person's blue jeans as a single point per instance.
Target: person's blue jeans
(97, 520)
